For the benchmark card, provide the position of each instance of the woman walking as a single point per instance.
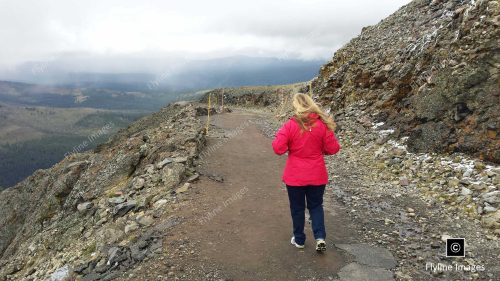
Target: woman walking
(307, 136)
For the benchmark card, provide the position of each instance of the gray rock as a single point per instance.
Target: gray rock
(183, 188)
(467, 173)
(131, 226)
(160, 203)
(172, 174)
(180, 159)
(217, 178)
(116, 200)
(60, 274)
(445, 237)
(357, 272)
(489, 209)
(193, 178)
(116, 255)
(404, 181)
(143, 150)
(82, 207)
(466, 191)
(492, 197)
(143, 202)
(93, 276)
(167, 224)
(453, 182)
(123, 208)
(83, 267)
(138, 183)
(78, 163)
(164, 162)
(370, 255)
(136, 253)
(491, 220)
(144, 220)
(496, 180)
(149, 169)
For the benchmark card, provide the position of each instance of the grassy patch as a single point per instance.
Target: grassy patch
(89, 249)
(117, 186)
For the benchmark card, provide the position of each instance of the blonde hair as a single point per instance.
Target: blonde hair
(303, 105)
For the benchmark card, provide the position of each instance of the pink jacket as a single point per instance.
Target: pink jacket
(305, 164)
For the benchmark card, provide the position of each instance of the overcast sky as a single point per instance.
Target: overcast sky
(34, 30)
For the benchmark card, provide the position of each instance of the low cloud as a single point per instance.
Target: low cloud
(34, 30)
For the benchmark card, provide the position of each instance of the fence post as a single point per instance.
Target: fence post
(208, 114)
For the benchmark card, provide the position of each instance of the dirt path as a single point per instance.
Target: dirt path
(236, 223)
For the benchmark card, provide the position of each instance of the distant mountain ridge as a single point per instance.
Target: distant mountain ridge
(27, 94)
(186, 75)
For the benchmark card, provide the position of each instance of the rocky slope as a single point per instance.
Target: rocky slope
(425, 79)
(92, 214)
(254, 96)
(409, 203)
(430, 72)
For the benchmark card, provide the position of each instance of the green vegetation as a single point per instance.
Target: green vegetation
(37, 138)
(40, 124)
(20, 160)
(87, 251)
(96, 120)
(31, 95)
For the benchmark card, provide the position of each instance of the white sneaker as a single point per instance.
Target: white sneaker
(295, 244)
(320, 245)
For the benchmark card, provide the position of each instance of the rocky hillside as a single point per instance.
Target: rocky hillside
(427, 77)
(430, 72)
(91, 214)
(251, 96)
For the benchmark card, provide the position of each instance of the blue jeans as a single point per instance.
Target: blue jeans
(313, 195)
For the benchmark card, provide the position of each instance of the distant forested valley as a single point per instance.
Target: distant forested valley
(52, 112)
(20, 160)
(34, 138)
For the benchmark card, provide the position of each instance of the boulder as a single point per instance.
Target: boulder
(183, 188)
(82, 207)
(123, 208)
